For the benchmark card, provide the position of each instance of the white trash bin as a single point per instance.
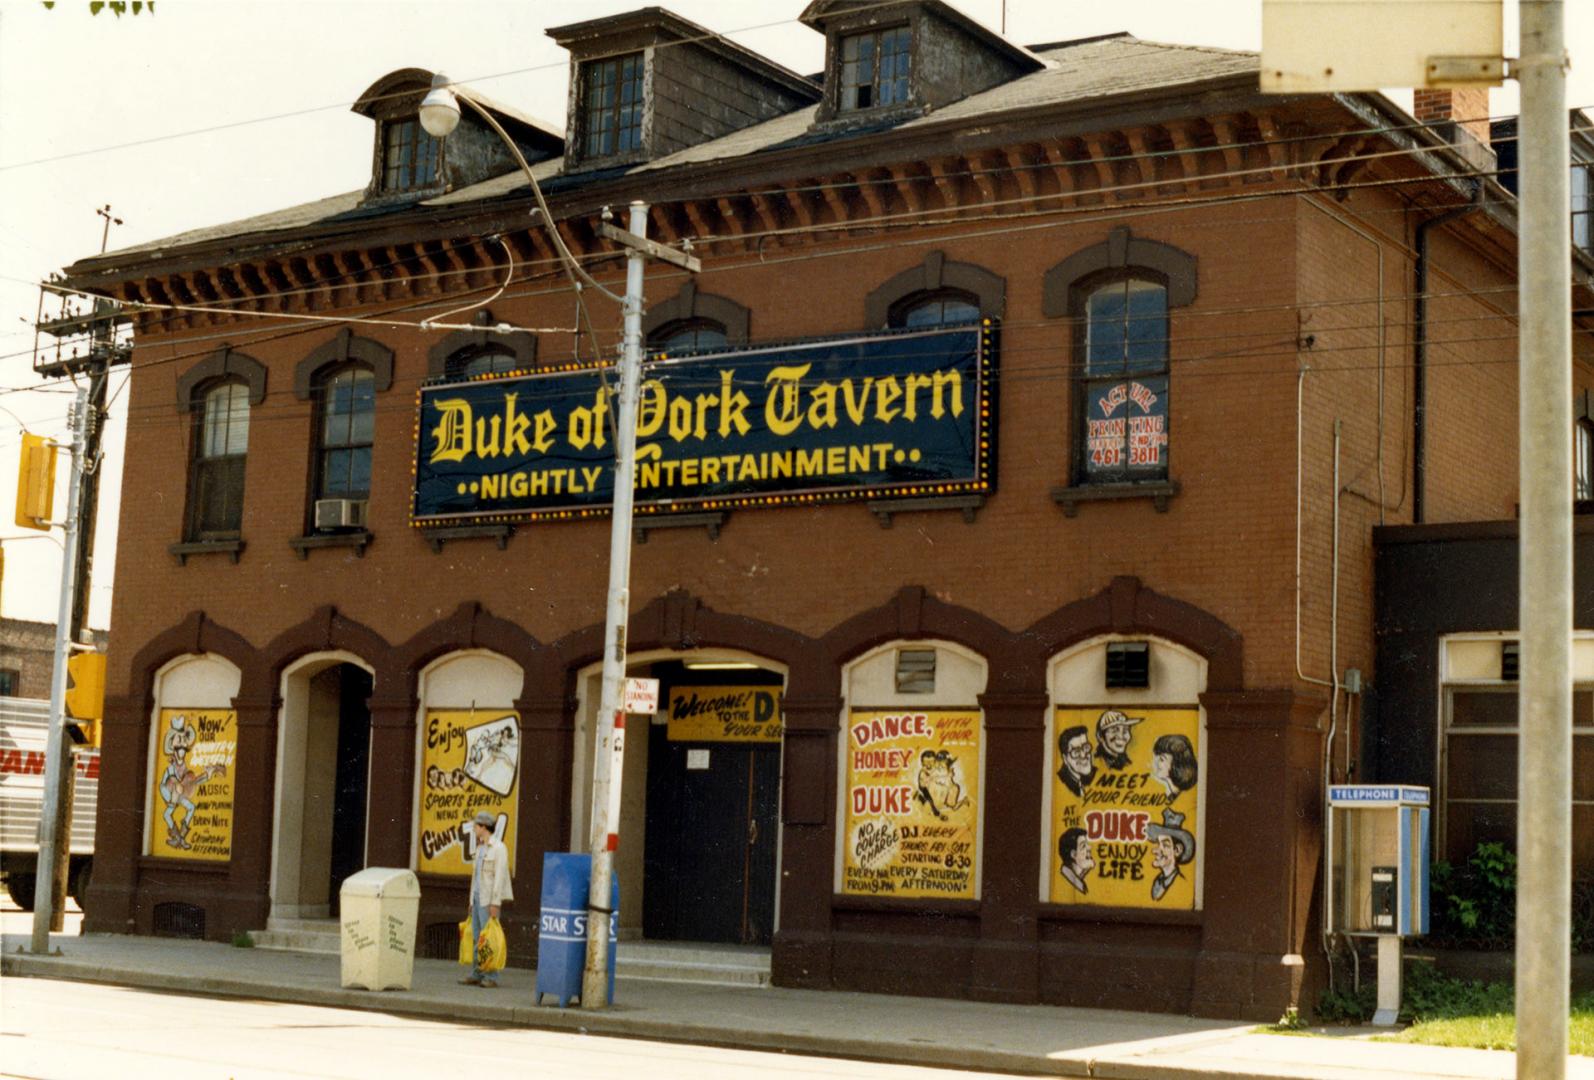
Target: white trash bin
(380, 907)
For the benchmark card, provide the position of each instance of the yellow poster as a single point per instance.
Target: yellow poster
(724, 714)
(1124, 798)
(912, 812)
(191, 802)
(470, 763)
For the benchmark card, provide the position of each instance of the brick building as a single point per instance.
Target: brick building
(1007, 494)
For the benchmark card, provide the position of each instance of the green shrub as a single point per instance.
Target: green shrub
(241, 939)
(1474, 906)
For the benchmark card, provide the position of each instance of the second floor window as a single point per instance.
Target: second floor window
(1123, 384)
(874, 69)
(1583, 207)
(688, 335)
(612, 105)
(348, 421)
(941, 308)
(1583, 461)
(411, 158)
(221, 446)
(487, 360)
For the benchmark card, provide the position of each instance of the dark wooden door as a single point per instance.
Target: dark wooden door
(350, 783)
(712, 822)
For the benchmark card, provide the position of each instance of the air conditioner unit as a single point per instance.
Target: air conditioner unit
(340, 513)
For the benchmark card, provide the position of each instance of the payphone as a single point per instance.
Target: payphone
(1378, 873)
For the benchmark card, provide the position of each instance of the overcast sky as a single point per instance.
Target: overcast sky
(209, 112)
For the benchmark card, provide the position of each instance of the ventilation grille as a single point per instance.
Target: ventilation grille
(179, 920)
(441, 941)
(1510, 660)
(915, 671)
(1128, 665)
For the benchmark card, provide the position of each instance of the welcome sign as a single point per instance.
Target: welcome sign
(873, 416)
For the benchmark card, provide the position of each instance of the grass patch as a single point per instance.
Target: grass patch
(1489, 1023)
(1444, 1011)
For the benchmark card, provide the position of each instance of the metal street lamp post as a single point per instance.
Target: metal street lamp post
(439, 114)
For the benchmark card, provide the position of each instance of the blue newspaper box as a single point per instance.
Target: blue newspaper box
(562, 933)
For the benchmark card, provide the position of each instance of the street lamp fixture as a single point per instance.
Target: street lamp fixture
(440, 108)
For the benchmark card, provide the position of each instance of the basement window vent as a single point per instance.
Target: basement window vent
(179, 920)
(915, 671)
(1510, 660)
(440, 941)
(1128, 665)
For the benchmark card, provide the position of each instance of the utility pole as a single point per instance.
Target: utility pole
(57, 757)
(609, 757)
(1544, 770)
(102, 341)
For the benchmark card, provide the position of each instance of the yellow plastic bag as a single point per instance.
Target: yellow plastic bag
(491, 949)
(467, 954)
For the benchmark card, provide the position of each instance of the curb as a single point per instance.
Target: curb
(617, 1023)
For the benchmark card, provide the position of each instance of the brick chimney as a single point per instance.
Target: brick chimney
(1469, 109)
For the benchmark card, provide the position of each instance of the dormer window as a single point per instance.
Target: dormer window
(612, 105)
(887, 61)
(875, 68)
(411, 159)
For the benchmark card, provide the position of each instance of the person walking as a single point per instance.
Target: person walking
(489, 890)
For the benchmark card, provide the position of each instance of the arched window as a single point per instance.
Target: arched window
(912, 766)
(220, 448)
(486, 360)
(689, 335)
(1117, 295)
(1123, 383)
(346, 400)
(939, 307)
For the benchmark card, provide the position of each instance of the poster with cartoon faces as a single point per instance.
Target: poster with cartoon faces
(470, 762)
(1125, 798)
(912, 803)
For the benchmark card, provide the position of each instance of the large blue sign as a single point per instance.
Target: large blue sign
(877, 416)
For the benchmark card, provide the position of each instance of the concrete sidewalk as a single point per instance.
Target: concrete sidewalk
(921, 1031)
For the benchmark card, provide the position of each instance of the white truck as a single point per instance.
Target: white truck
(24, 725)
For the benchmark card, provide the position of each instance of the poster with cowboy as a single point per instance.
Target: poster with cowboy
(470, 762)
(191, 799)
(912, 804)
(1125, 806)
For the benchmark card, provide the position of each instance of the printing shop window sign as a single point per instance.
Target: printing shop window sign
(1125, 806)
(470, 762)
(912, 804)
(880, 415)
(1126, 429)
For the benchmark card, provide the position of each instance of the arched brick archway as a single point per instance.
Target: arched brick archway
(113, 903)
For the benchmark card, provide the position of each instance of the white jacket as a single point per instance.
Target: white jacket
(489, 883)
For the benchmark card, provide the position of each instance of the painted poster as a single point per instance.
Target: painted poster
(1124, 798)
(912, 813)
(470, 762)
(191, 801)
(724, 714)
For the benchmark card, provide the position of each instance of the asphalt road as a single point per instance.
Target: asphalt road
(66, 1030)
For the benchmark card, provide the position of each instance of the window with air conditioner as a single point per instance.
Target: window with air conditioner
(346, 429)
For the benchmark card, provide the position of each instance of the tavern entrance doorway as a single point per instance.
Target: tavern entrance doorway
(323, 779)
(700, 820)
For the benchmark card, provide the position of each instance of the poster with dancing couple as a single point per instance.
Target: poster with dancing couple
(912, 818)
(1125, 798)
